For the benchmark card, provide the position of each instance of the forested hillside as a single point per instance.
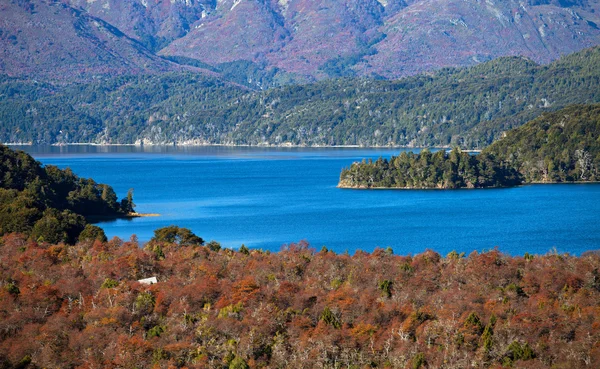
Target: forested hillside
(80, 306)
(555, 147)
(467, 107)
(563, 146)
(50, 204)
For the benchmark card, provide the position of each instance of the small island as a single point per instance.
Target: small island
(559, 147)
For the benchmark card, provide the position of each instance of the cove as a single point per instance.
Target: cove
(267, 197)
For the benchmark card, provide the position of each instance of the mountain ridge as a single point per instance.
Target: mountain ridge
(383, 38)
(299, 40)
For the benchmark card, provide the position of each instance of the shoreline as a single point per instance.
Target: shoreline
(239, 145)
(141, 215)
(345, 187)
(418, 188)
(107, 218)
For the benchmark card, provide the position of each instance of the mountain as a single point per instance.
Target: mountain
(325, 38)
(431, 34)
(154, 23)
(291, 41)
(296, 36)
(469, 107)
(48, 39)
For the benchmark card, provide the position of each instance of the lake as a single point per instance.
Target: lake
(264, 198)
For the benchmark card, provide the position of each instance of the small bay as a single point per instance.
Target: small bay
(267, 197)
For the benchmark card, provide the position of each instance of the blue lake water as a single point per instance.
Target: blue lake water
(265, 198)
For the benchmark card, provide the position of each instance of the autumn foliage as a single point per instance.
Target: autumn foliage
(81, 306)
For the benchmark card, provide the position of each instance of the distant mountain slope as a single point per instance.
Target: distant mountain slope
(154, 23)
(386, 38)
(469, 107)
(48, 39)
(108, 111)
(294, 40)
(430, 34)
(296, 36)
(242, 30)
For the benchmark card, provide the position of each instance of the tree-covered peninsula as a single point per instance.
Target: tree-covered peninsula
(563, 146)
(50, 204)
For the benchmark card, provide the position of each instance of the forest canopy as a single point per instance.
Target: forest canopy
(81, 306)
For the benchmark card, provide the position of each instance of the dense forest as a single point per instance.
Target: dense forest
(50, 204)
(81, 306)
(556, 147)
(456, 169)
(563, 146)
(465, 107)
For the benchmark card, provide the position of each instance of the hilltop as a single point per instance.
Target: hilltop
(555, 147)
